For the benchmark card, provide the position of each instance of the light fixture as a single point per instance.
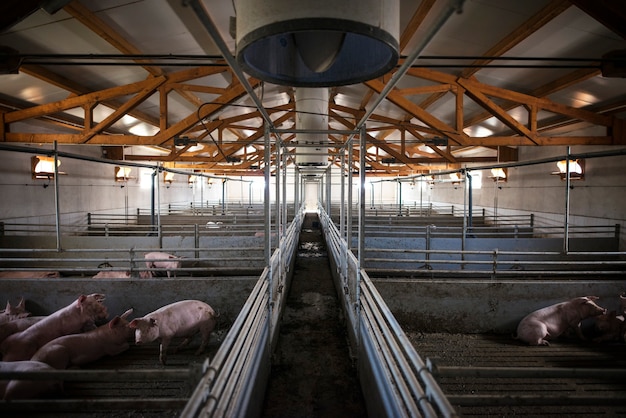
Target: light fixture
(122, 173)
(168, 177)
(191, 180)
(42, 167)
(317, 43)
(576, 169)
(499, 175)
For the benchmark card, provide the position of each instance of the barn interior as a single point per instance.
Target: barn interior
(450, 166)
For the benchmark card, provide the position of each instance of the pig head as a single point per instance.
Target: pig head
(548, 323)
(610, 327)
(79, 349)
(76, 317)
(14, 312)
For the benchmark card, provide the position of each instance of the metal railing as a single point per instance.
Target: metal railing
(236, 377)
(396, 380)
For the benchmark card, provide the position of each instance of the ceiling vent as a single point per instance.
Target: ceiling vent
(317, 43)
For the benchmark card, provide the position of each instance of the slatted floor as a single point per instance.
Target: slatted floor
(602, 395)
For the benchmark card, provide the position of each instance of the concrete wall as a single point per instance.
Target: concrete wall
(226, 295)
(483, 306)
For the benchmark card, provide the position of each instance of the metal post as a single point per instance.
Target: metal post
(566, 217)
(224, 196)
(399, 197)
(266, 198)
(153, 200)
(349, 146)
(56, 196)
(363, 143)
(342, 203)
(278, 167)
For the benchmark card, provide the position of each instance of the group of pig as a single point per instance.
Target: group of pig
(552, 321)
(69, 337)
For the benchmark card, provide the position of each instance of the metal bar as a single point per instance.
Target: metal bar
(567, 194)
(108, 375)
(57, 210)
(90, 404)
(526, 372)
(535, 400)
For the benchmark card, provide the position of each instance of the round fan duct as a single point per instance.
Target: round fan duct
(317, 43)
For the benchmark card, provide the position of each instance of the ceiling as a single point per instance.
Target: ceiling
(137, 76)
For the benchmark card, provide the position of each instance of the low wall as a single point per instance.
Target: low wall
(484, 306)
(226, 295)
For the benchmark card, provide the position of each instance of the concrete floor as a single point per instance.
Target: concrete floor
(312, 373)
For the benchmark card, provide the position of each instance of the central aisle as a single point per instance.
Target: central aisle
(312, 374)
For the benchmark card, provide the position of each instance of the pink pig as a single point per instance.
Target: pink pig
(550, 322)
(80, 314)
(27, 389)
(180, 319)
(17, 325)
(610, 327)
(160, 260)
(79, 349)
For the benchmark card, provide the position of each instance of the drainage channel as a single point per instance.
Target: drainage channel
(312, 374)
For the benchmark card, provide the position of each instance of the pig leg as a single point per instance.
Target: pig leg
(165, 342)
(206, 335)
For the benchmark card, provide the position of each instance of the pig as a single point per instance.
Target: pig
(610, 327)
(13, 312)
(161, 260)
(17, 325)
(29, 274)
(550, 322)
(27, 389)
(180, 319)
(76, 317)
(79, 349)
(112, 274)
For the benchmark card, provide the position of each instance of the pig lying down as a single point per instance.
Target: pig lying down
(76, 317)
(180, 319)
(548, 323)
(27, 389)
(80, 349)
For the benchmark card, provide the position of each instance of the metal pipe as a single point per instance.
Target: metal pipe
(529, 372)
(57, 210)
(567, 193)
(207, 22)
(440, 20)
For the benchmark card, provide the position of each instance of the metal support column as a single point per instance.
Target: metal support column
(567, 192)
(57, 209)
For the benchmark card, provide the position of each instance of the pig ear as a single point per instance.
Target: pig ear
(593, 297)
(153, 322)
(8, 308)
(113, 322)
(133, 323)
(21, 304)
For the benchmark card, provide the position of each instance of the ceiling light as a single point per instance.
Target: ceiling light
(317, 43)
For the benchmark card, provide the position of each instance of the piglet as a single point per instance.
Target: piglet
(180, 319)
(27, 388)
(548, 323)
(17, 325)
(79, 349)
(161, 260)
(610, 327)
(76, 317)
